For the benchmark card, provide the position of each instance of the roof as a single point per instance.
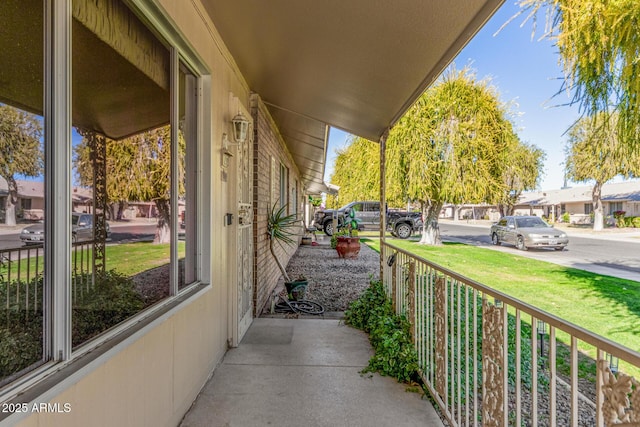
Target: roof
(612, 192)
(26, 188)
(357, 65)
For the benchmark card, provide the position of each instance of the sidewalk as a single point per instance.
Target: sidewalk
(293, 372)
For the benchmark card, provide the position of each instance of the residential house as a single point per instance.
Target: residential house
(196, 73)
(30, 204)
(578, 203)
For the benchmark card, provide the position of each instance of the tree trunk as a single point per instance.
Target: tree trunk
(456, 212)
(598, 210)
(121, 206)
(280, 266)
(163, 230)
(430, 228)
(10, 202)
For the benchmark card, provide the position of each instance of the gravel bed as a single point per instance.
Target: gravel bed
(333, 281)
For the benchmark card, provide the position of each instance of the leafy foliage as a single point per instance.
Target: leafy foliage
(112, 299)
(522, 172)
(454, 146)
(357, 172)
(389, 334)
(20, 152)
(598, 44)
(138, 169)
(595, 152)
(281, 228)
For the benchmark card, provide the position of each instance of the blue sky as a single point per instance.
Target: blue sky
(525, 71)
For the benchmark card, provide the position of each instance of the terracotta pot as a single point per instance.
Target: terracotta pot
(348, 247)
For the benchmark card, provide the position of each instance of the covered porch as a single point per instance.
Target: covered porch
(292, 372)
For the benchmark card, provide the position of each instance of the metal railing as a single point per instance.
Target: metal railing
(489, 359)
(22, 269)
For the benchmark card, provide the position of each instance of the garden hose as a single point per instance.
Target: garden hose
(300, 307)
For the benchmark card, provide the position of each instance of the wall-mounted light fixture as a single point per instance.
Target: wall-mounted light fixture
(240, 128)
(240, 132)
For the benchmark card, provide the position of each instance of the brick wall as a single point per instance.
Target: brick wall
(268, 145)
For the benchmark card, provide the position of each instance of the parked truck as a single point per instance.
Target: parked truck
(401, 224)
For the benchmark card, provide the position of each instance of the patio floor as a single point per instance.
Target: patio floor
(292, 372)
(306, 371)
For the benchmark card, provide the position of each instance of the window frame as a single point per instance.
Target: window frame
(284, 186)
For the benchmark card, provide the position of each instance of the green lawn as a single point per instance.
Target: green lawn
(127, 258)
(605, 305)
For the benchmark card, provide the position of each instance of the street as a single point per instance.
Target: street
(121, 232)
(610, 256)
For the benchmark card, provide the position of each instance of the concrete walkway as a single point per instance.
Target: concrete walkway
(293, 372)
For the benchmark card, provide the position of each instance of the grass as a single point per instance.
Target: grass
(127, 258)
(605, 305)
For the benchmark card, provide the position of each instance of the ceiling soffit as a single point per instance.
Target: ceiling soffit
(357, 65)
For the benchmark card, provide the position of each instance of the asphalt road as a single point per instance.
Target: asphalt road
(613, 257)
(120, 233)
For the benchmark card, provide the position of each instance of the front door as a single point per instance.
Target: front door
(243, 297)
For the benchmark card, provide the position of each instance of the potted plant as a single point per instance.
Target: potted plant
(347, 241)
(282, 228)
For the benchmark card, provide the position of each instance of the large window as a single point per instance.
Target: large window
(127, 164)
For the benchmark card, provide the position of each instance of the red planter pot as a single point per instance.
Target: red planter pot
(348, 247)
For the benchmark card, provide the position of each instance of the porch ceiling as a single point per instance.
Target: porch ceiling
(357, 65)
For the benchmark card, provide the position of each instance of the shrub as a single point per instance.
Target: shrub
(566, 217)
(636, 222)
(112, 300)
(20, 343)
(389, 334)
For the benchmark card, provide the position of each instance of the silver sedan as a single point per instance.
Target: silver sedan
(527, 232)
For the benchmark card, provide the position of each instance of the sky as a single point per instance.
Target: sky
(526, 71)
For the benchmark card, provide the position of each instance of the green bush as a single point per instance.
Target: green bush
(635, 222)
(112, 299)
(20, 341)
(389, 334)
(566, 217)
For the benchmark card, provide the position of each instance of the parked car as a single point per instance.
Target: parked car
(367, 214)
(527, 232)
(81, 230)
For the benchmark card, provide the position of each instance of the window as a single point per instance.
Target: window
(615, 207)
(187, 199)
(22, 302)
(25, 203)
(284, 184)
(294, 197)
(588, 208)
(134, 158)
